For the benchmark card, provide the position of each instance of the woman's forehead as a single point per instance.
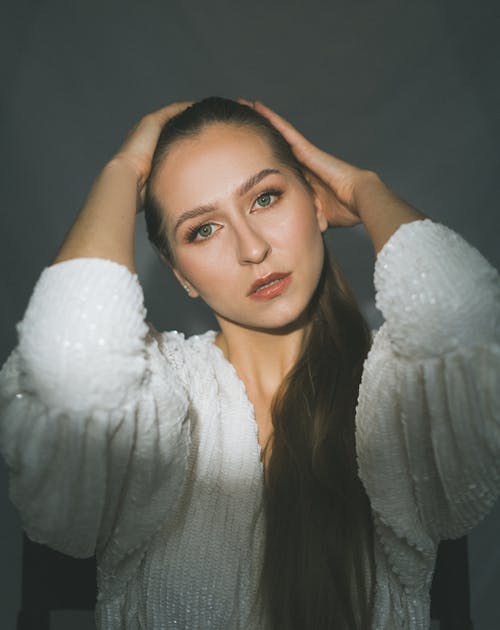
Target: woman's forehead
(211, 166)
(220, 141)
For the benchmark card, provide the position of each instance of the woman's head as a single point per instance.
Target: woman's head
(227, 203)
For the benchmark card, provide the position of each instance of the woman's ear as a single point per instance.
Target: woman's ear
(319, 201)
(320, 214)
(185, 284)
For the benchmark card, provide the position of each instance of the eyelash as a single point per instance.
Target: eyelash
(193, 232)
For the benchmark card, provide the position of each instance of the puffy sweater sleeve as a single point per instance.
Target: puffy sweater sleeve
(92, 417)
(428, 414)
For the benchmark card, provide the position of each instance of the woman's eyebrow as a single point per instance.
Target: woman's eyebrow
(240, 191)
(254, 180)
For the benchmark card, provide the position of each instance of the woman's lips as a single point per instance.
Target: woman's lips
(272, 290)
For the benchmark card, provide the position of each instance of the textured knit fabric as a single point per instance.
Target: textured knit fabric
(142, 447)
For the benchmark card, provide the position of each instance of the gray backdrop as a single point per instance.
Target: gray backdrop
(407, 89)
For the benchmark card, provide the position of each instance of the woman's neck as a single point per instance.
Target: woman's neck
(261, 358)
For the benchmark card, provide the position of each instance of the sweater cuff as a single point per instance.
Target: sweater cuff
(435, 291)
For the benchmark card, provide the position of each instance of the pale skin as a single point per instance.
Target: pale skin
(243, 237)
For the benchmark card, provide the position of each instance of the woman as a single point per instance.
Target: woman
(285, 471)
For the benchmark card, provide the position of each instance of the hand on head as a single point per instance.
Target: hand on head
(141, 141)
(332, 179)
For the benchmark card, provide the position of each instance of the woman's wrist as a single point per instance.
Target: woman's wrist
(105, 225)
(366, 184)
(121, 164)
(380, 210)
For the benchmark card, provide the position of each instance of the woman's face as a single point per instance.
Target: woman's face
(235, 214)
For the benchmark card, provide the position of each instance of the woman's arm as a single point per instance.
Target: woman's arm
(380, 210)
(104, 228)
(79, 395)
(427, 420)
(105, 225)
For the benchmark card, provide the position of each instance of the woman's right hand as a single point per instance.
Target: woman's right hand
(105, 225)
(140, 143)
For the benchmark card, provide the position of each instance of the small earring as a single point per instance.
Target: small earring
(186, 287)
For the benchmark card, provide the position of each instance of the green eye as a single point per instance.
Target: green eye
(205, 230)
(264, 199)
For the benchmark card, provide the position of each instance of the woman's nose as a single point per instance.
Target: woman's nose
(252, 246)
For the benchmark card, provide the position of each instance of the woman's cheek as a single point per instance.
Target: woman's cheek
(213, 265)
(297, 226)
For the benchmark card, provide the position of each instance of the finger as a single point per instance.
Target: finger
(158, 118)
(142, 138)
(316, 160)
(244, 101)
(286, 128)
(313, 177)
(294, 137)
(303, 149)
(165, 113)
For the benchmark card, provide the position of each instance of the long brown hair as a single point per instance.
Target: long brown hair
(318, 567)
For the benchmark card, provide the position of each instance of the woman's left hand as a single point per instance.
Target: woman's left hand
(332, 179)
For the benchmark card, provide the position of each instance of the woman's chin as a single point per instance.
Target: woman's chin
(282, 320)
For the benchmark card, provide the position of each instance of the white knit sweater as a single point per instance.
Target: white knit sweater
(142, 447)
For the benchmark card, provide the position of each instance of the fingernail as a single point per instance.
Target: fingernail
(245, 101)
